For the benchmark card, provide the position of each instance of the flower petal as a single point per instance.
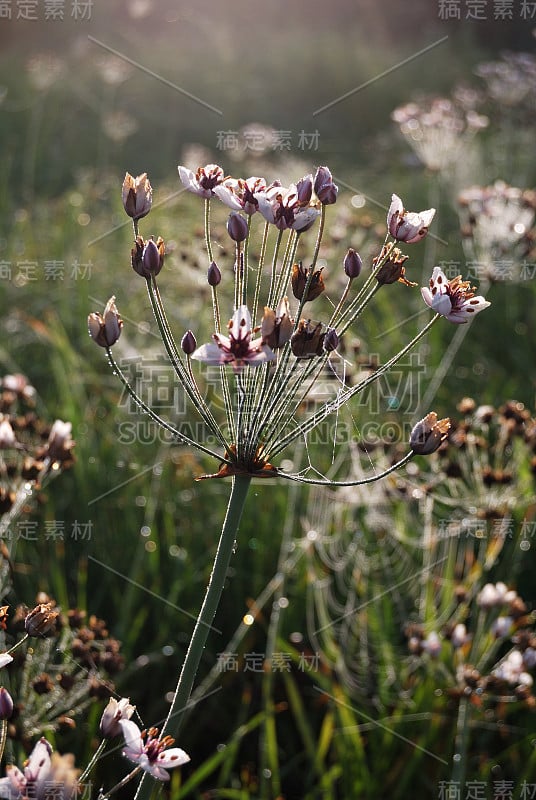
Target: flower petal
(132, 734)
(173, 757)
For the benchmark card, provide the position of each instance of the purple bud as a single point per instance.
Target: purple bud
(188, 343)
(304, 190)
(237, 227)
(325, 189)
(213, 274)
(152, 262)
(352, 263)
(331, 340)
(6, 704)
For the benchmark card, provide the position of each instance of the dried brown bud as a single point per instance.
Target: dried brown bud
(43, 684)
(307, 341)
(277, 326)
(393, 269)
(428, 434)
(41, 620)
(299, 279)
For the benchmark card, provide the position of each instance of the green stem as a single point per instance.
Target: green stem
(207, 613)
(459, 766)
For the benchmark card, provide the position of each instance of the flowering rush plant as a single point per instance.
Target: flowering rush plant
(268, 350)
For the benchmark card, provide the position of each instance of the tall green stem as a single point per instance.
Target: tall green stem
(207, 613)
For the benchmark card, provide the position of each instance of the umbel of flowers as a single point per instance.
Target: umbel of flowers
(271, 352)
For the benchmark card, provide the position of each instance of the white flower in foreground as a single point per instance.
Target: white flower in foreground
(202, 182)
(5, 659)
(31, 782)
(454, 299)
(237, 349)
(149, 752)
(239, 194)
(407, 226)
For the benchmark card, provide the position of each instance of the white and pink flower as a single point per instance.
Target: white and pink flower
(454, 299)
(238, 349)
(152, 754)
(407, 226)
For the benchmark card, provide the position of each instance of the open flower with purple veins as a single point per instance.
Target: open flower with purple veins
(454, 299)
(288, 208)
(239, 194)
(204, 181)
(407, 226)
(237, 349)
(152, 754)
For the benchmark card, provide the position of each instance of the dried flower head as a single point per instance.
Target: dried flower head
(41, 620)
(428, 434)
(307, 280)
(391, 269)
(277, 326)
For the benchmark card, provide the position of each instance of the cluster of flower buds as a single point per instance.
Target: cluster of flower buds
(277, 363)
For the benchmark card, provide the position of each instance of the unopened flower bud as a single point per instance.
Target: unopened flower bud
(153, 257)
(299, 279)
(188, 343)
(41, 620)
(428, 434)
(352, 263)
(237, 227)
(331, 340)
(325, 189)
(105, 330)
(6, 704)
(213, 274)
(304, 190)
(112, 714)
(137, 195)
